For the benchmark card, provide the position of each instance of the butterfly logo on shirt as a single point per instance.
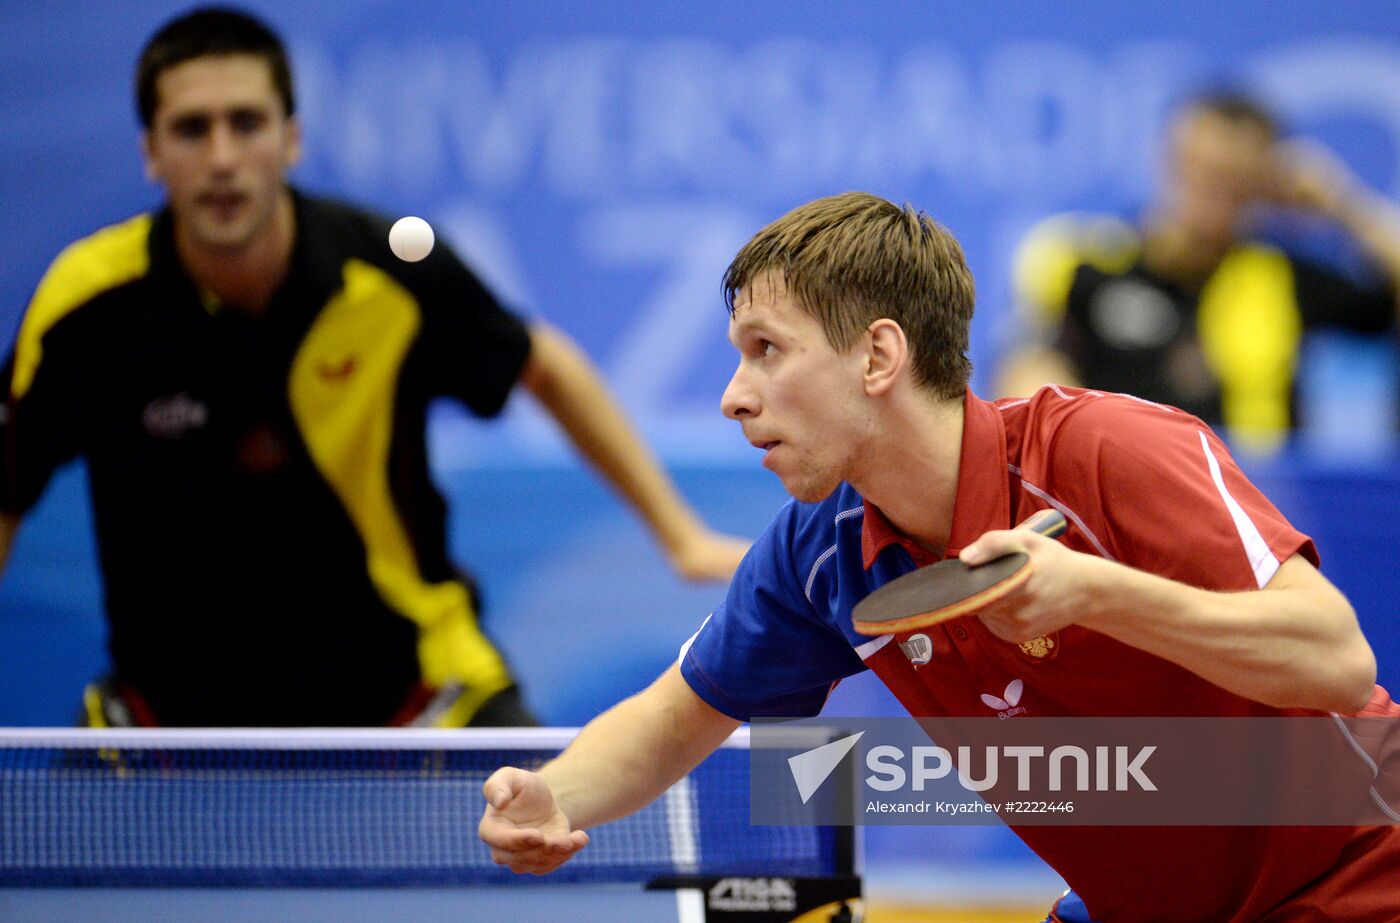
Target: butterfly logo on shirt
(1007, 704)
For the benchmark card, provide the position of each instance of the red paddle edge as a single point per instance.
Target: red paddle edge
(936, 616)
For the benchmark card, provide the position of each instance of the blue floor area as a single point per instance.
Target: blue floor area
(592, 904)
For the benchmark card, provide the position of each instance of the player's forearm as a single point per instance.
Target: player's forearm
(574, 393)
(1287, 646)
(628, 756)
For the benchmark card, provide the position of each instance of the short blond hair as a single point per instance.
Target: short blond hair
(852, 259)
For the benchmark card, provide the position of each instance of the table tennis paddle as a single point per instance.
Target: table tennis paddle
(948, 589)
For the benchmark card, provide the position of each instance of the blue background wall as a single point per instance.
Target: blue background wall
(600, 164)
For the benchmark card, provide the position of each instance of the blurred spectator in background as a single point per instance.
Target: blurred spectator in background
(247, 373)
(1190, 308)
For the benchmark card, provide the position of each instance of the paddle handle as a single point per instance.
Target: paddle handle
(1049, 523)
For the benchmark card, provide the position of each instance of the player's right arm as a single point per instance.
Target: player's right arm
(739, 665)
(622, 761)
(570, 388)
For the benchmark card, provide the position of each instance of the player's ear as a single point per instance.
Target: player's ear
(148, 157)
(291, 152)
(887, 355)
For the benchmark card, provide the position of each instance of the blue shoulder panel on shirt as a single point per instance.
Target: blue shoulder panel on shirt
(783, 634)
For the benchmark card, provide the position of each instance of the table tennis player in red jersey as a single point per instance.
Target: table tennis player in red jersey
(1179, 589)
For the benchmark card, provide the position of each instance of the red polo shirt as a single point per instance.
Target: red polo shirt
(1153, 488)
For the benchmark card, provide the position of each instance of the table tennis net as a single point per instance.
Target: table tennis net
(344, 808)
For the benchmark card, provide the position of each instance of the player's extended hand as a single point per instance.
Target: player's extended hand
(523, 826)
(708, 555)
(1056, 594)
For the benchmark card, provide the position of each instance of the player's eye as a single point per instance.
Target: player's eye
(247, 121)
(190, 127)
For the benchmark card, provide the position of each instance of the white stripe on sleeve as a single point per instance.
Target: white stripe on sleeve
(1261, 558)
(685, 648)
(871, 647)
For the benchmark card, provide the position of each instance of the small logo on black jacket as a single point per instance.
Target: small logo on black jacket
(175, 416)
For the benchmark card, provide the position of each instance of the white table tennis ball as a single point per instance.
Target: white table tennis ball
(411, 239)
